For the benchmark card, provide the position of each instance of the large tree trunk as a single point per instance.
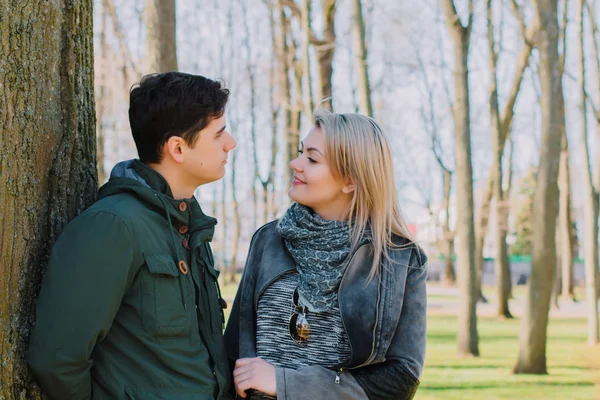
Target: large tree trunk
(360, 54)
(532, 339)
(161, 48)
(47, 158)
(468, 340)
(501, 256)
(590, 199)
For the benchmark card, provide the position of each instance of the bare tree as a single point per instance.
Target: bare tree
(468, 340)
(528, 34)
(533, 335)
(360, 53)
(47, 158)
(591, 196)
(161, 48)
(501, 258)
(565, 244)
(591, 13)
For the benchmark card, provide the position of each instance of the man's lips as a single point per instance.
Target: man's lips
(297, 181)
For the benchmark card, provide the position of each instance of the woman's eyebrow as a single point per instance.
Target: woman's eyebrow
(314, 149)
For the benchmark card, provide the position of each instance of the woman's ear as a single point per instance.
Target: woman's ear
(173, 149)
(349, 186)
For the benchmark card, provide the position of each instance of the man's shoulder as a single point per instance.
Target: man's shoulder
(123, 205)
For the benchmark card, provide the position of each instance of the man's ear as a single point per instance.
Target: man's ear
(173, 149)
(349, 186)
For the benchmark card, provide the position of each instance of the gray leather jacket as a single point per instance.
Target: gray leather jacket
(385, 320)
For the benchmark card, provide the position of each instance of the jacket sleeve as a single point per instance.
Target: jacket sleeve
(394, 379)
(398, 376)
(89, 271)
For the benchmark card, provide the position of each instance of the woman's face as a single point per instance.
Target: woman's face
(314, 184)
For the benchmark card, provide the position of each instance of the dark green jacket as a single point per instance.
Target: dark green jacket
(130, 306)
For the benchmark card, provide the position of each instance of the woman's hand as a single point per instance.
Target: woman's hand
(254, 373)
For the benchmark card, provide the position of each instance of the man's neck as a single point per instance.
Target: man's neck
(180, 189)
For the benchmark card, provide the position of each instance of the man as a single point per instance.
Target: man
(130, 306)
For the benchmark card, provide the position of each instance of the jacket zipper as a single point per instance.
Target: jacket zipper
(337, 375)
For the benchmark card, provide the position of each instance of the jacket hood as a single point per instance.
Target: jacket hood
(136, 178)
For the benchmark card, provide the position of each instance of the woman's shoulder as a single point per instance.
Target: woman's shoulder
(264, 233)
(407, 252)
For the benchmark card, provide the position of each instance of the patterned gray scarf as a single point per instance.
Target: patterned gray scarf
(320, 249)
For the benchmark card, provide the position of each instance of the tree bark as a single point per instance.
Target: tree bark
(533, 335)
(468, 340)
(360, 54)
(47, 158)
(161, 48)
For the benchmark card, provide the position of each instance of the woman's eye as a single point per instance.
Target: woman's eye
(311, 160)
(300, 151)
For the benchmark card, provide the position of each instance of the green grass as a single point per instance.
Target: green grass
(572, 365)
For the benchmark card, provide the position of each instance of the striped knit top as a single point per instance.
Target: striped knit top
(328, 345)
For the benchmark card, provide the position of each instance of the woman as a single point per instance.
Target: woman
(332, 300)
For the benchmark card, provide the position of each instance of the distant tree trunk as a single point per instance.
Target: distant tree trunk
(564, 270)
(533, 335)
(307, 89)
(285, 96)
(592, 14)
(501, 257)
(360, 53)
(590, 198)
(47, 158)
(236, 224)
(448, 236)
(506, 213)
(100, 90)
(468, 340)
(161, 48)
(325, 51)
(506, 119)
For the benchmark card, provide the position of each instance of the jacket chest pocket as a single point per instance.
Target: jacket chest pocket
(163, 295)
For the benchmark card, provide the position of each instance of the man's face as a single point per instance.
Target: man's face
(205, 162)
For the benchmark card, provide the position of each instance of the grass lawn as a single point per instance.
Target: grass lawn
(573, 367)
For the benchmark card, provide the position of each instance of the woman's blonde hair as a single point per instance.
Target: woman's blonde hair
(356, 148)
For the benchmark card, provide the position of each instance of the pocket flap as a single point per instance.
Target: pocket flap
(162, 264)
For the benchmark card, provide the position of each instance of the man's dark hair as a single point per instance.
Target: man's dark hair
(172, 104)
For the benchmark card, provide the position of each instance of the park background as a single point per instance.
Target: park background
(492, 107)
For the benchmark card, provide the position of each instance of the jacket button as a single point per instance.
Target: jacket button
(223, 303)
(182, 206)
(183, 229)
(183, 268)
(185, 243)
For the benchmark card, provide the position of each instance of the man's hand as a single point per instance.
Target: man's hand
(254, 373)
